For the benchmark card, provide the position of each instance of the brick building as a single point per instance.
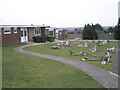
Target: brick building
(20, 33)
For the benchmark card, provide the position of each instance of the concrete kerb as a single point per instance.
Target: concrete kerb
(104, 77)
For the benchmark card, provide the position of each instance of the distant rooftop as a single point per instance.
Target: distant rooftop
(23, 25)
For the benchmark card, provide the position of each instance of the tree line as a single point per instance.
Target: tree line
(91, 31)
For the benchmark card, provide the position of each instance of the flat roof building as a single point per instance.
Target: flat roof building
(10, 34)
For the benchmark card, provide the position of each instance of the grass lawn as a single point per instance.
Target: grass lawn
(64, 52)
(26, 71)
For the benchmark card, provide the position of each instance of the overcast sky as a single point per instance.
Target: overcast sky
(59, 13)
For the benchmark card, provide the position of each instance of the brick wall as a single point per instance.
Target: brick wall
(11, 38)
(43, 31)
(47, 31)
(30, 33)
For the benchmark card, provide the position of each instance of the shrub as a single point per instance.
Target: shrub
(117, 33)
(51, 38)
(39, 39)
(34, 39)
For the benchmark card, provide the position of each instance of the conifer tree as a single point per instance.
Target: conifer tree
(89, 32)
(117, 31)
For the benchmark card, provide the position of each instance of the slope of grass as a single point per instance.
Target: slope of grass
(26, 71)
(64, 52)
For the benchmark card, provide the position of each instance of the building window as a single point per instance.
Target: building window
(51, 33)
(7, 30)
(37, 31)
(15, 30)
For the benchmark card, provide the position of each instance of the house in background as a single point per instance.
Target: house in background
(51, 31)
(21, 33)
(59, 33)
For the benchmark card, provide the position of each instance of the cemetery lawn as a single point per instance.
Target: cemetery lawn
(64, 52)
(26, 71)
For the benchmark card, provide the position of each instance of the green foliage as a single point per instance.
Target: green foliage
(97, 27)
(110, 30)
(39, 39)
(105, 31)
(34, 39)
(89, 32)
(50, 38)
(117, 32)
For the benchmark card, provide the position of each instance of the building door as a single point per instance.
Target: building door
(24, 35)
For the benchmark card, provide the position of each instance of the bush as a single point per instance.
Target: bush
(34, 39)
(117, 33)
(51, 38)
(39, 39)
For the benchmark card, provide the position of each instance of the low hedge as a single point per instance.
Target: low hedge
(43, 39)
(39, 39)
(51, 38)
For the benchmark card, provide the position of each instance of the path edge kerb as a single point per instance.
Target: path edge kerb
(104, 77)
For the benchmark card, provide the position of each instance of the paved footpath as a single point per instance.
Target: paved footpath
(104, 77)
(115, 62)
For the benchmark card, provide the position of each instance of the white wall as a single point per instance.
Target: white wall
(119, 9)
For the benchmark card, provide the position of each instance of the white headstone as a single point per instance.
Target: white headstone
(103, 62)
(83, 59)
(108, 59)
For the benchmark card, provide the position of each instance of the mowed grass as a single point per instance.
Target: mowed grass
(64, 52)
(26, 71)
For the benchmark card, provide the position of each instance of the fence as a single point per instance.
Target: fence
(100, 36)
(72, 36)
(106, 36)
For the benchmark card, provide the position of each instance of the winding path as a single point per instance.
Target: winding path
(104, 77)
